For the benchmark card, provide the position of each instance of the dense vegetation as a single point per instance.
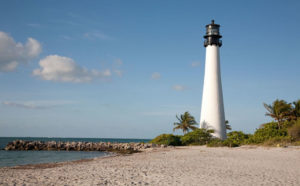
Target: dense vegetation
(167, 139)
(284, 130)
(197, 137)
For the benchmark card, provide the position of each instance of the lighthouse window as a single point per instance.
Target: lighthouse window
(214, 31)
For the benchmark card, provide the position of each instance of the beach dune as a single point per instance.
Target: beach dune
(194, 165)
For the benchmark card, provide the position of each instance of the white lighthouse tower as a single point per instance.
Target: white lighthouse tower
(212, 110)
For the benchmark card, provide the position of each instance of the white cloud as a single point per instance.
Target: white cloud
(179, 87)
(36, 104)
(155, 75)
(12, 53)
(96, 35)
(195, 64)
(64, 69)
(23, 105)
(100, 74)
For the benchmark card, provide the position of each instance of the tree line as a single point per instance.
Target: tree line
(285, 129)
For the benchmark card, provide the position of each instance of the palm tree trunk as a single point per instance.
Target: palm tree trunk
(279, 123)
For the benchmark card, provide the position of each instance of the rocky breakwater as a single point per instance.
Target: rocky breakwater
(80, 146)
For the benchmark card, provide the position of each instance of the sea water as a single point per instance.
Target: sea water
(13, 158)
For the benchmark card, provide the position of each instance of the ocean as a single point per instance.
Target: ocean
(13, 158)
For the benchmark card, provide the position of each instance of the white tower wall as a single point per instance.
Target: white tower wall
(212, 110)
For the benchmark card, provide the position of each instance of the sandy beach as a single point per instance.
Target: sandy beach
(193, 165)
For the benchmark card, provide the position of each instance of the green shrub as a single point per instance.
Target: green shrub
(294, 130)
(235, 139)
(167, 139)
(287, 124)
(197, 137)
(266, 132)
(216, 142)
(278, 141)
(296, 143)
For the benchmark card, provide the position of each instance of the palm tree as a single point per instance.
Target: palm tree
(186, 122)
(228, 127)
(296, 109)
(280, 110)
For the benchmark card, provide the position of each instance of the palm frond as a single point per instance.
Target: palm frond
(186, 122)
(179, 119)
(193, 127)
(269, 108)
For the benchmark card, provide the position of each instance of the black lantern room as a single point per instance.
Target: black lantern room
(212, 36)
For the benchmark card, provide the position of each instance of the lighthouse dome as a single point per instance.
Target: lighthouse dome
(212, 36)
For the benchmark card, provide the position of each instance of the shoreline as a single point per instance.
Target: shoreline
(109, 154)
(115, 154)
(186, 165)
(58, 164)
(79, 161)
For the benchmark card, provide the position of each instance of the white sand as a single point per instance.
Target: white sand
(179, 166)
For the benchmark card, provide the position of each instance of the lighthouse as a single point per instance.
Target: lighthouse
(212, 109)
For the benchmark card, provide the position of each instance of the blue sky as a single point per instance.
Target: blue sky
(126, 68)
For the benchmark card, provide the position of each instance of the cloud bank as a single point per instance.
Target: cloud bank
(12, 53)
(64, 69)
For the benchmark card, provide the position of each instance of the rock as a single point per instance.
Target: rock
(79, 146)
(153, 144)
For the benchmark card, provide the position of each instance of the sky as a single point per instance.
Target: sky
(125, 69)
